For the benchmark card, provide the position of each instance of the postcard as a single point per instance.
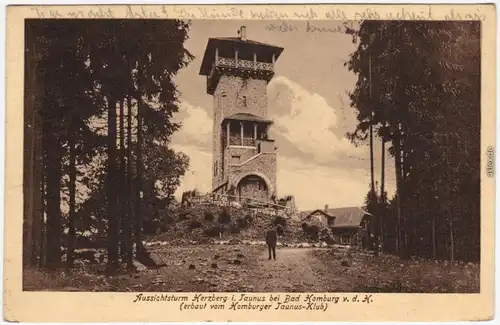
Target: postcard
(250, 163)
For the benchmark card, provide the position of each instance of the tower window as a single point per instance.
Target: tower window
(245, 101)
(221, 99)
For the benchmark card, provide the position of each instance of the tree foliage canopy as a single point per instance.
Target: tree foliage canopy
(425, 88)
(77, 73)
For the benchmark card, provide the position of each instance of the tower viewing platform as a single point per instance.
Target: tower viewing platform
(237, 55)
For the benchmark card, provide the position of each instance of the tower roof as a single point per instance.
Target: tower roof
(247, 117)
(264, 51)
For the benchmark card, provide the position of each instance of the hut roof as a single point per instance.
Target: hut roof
(344, 217)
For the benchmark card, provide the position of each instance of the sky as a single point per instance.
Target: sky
(308, 101)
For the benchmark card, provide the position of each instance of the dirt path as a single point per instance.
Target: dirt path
(295, 270)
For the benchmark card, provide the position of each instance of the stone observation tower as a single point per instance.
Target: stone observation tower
(244, 158)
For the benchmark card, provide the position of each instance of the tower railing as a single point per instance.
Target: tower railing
(239, 141)
(245, 64)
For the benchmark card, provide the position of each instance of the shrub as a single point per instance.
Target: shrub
(312, 231)
(330, 240)
(326, 235)
(234, 229)
(279, 221)
(168, 220)
(280, 230)
(183, 215)
(193, 224)
(208, 215)
(213, 231)
(249, 218)
(242, 222)
(225, 216)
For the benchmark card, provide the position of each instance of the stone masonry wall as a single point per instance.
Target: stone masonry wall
(229, 100)
(235, 88)
(216, 146)
(244, 153)
(264, 164)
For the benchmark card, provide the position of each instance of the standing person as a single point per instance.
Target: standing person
(271, 240)
(376, 245)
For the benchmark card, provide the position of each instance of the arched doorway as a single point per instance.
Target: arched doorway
(253, 187)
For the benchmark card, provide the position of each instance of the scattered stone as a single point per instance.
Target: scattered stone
(192, 267)
(236, 262)
(345, 263)
(213, 265)
(240, 255)
(216, 257)
(157, 259)
(139, 266)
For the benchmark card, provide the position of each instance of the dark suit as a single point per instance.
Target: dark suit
(271, 239)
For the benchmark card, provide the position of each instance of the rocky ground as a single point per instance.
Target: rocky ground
(245, 267)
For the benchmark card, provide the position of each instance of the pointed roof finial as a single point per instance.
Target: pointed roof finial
(242, 33)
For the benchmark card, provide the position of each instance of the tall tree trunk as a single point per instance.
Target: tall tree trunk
(452, 243)
(123, 194)
(54, 175)
(37, 195)
(28, 185)
(372, 172)
(404, 200)
(433, 235)
(397, 163)
(138, 177)
(113, 264)
(29, 149)
(43, 226)
(70, 259)
(382, 192)
(130, 212)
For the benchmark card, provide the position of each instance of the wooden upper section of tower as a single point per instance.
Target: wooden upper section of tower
(238, 56)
